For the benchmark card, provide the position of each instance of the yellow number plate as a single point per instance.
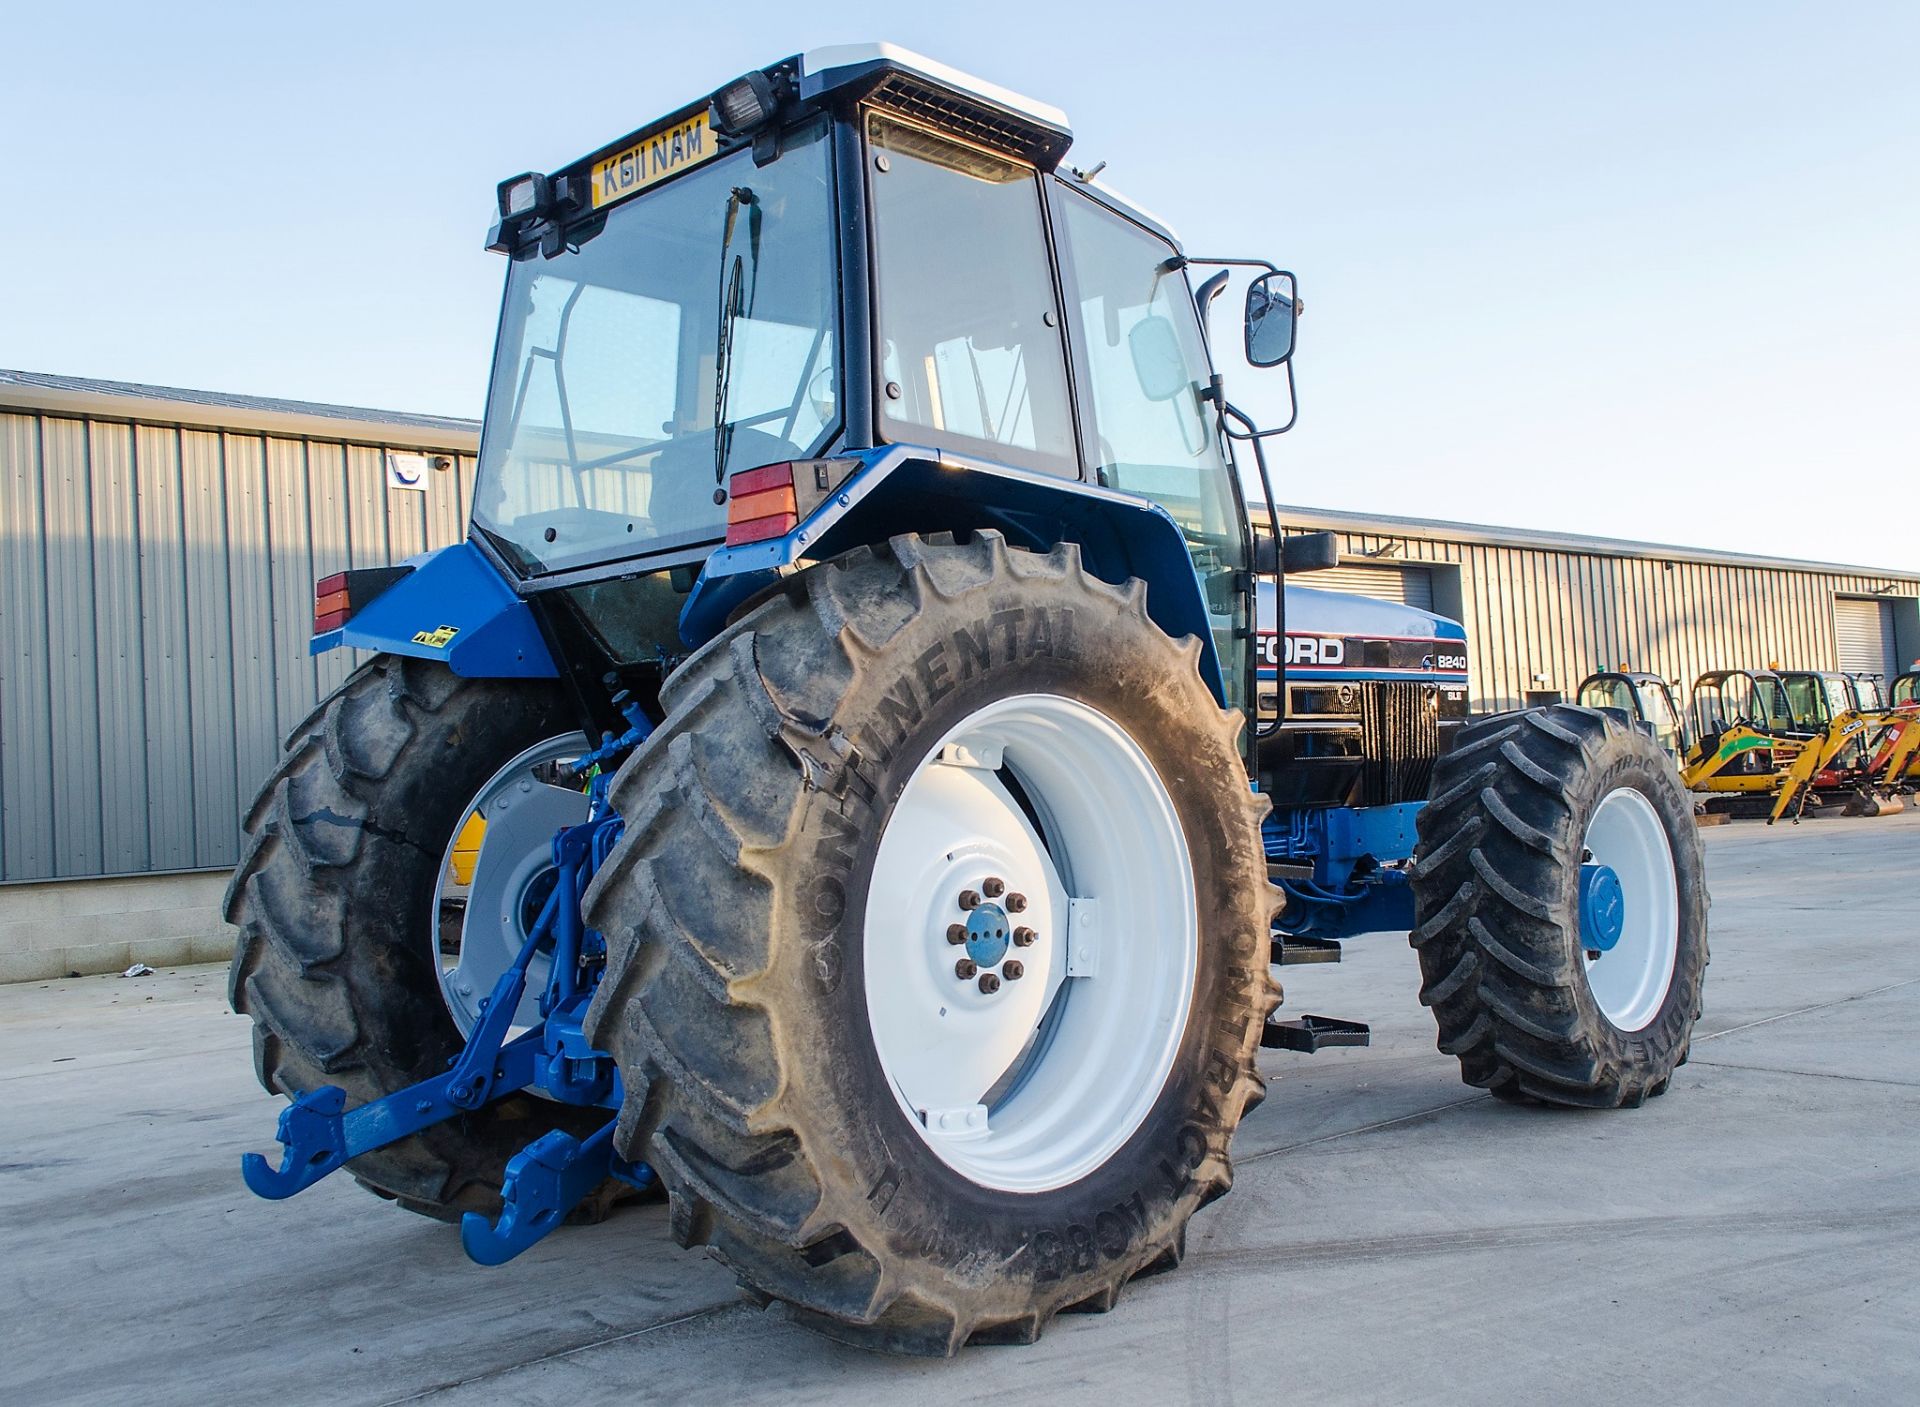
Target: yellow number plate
(654, 157)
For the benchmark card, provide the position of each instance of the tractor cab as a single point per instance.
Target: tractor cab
(1645, 698)
(723, 333)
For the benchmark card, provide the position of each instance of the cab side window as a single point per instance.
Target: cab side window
(969, 327)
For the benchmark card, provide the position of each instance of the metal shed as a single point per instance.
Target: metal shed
(1544, 610)
(158, 550)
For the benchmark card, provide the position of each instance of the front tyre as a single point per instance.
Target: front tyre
(1560, 891)
(937, 944)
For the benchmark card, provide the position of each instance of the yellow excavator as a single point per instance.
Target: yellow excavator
(1792, 737)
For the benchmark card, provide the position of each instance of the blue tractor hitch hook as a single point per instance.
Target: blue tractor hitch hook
(319, 1134)
(545, 1180)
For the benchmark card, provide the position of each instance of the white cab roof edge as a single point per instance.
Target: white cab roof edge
(817, 62)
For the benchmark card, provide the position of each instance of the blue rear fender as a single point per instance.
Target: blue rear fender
(913, 489)
(455, 607)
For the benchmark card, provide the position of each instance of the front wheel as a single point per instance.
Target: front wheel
(937, 944)
(1560, 891)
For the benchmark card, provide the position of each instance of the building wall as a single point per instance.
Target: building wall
(157, 560)
(1540, 619)
(156, 596)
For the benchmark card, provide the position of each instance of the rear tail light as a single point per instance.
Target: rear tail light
(331, 604)
(337, 598)
(761, 504)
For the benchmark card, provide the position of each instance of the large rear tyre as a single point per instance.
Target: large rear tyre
(1522, 991)
(338, 897)
(937, 944)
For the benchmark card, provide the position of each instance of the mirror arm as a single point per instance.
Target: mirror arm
(1253, 432)
(1216, 393)
(1182, 260)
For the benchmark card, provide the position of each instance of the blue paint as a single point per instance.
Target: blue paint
(914, 489)
(544, 1181)
(988, 933)
(456, 597)
(1603, 908)
(1351, 889)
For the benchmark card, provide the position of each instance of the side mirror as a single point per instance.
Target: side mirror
(1266, 554)
(1157, 360)
(1273, 306)
(1310, 552)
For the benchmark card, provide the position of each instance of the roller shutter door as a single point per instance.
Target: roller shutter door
(1410, 586)
(1864, 632)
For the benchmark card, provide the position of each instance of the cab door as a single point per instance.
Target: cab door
(1140, 368)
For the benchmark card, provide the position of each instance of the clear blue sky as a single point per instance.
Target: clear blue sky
(1647, 270)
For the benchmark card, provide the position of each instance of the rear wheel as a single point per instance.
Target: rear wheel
(1560, 889)
(937, 944)
(363, 949)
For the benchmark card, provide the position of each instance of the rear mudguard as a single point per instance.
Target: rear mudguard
(455, 607)
(913, 489)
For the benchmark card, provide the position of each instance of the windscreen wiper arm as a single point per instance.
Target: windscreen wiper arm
(737, 280)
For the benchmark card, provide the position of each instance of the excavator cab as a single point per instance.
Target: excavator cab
(1646, 699)
(1869, 692)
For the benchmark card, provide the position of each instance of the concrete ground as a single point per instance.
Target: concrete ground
(1394, 1236)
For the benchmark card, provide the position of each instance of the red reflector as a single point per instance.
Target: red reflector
(768, 476)
(760, 504)
(760, 529)
(766, 504)
(332, 620)
(327, 585)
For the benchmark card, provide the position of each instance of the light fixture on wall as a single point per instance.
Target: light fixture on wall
(1389, 548)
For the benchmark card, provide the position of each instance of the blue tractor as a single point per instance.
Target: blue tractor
(830, 786)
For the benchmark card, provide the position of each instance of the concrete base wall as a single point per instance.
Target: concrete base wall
(87, 926)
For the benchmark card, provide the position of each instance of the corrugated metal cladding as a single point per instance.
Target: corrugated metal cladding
(156, 596)
(1410, 586)
(1544, 611)
(158, 550)
(1865, 633)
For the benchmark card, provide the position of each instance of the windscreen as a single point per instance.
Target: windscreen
(685, 335)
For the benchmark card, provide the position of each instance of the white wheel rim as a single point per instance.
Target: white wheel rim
(1629, 981)
(522, 812)
(1035, 1085)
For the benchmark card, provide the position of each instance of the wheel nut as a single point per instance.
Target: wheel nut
(994, 887)
(969, 899)
(1016, 903)
(989, 983)
(964, 969)
(1023, 937)
(1013, 970)
(956, 933)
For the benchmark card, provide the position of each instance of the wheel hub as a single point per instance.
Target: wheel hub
(989, 935)
(1603, 908)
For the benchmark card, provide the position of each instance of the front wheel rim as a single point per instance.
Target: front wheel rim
(1630, 980)
(1030, 1082)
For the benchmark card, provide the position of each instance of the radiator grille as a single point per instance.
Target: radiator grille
(1400, 727)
